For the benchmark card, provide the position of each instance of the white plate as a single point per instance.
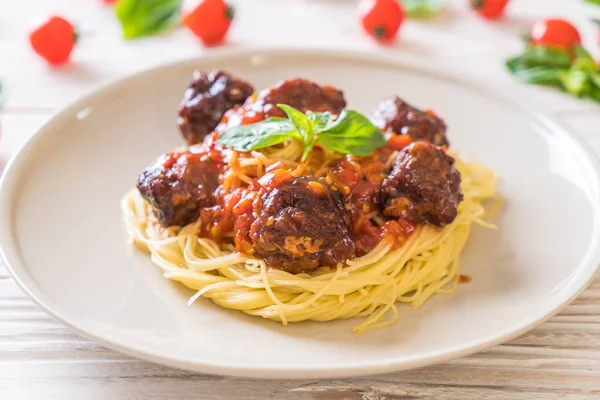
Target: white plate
(63, 238)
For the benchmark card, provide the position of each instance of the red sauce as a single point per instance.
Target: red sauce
(357, 179)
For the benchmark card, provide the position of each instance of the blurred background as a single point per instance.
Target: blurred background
(467, 37)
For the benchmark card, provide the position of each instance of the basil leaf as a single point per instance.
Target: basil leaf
(537, 56)
(595, 79)
(352, 133)
(581, 52)
(420, 9)
(304, 126)
(539, 76)
(147, 17)
(584, 61)
(575, 82)
(259, 135)
(298, 118)
(595, 94)
(320, 120)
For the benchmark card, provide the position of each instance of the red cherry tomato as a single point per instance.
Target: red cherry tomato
(489, 9)
(207, 19)
(109, 1)
(381, 18)
(554, 32)
(53, 38)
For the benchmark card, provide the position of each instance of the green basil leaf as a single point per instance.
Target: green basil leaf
(147, 17)
(595, 79)
(304, 126)
(320, 120)
(576, 82)
(595, 94)
(352, 133)
(259, 135)
(539, 56)
(581, 52)
(297, 117)
(421, 9)
(539, 76)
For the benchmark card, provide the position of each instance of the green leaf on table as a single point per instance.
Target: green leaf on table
(147, 17)
(421, 9)
(352, 133)
(583, 60)
(576, 82)
(595, 79)
(259, 135)
(595, 94)
(539, 76)
(539, 56)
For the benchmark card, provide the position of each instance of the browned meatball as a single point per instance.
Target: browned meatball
(423, 186)
(303, 95)
(205, 101)
(301, 225)
(395, 115)
(178, 185)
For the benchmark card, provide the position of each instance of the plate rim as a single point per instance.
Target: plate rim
(11, 256)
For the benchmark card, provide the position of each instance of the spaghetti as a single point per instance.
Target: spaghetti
(369, 286)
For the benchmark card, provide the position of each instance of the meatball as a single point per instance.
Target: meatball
(395, 115)
(422, 186)
(301, 225)
(205, 101)
(303, 95)
(178, 185)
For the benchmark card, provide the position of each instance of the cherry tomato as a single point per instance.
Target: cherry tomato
(207, 19)
(489, 9)
(554, 32)
(381, 18)
(109, 1)
(53, 38)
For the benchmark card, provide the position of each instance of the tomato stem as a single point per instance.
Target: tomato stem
(477, 4)
(379, 32)
(230, 12)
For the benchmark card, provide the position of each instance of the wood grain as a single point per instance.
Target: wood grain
(41, 359)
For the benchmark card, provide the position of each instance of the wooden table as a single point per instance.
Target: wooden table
(41, 359)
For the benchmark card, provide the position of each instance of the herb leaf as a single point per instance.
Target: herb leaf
(305, 126)
(421, 9)
(147, 17)
(352, 133)
(539, 76)
(575, 82)
(595, 79)
(320, 120)
(259, 135)
(539, 56)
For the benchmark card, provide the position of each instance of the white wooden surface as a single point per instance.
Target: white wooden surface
(41, 359)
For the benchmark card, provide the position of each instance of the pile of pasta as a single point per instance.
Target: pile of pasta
(370, 286)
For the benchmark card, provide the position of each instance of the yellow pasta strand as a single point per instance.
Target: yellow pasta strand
(370, 286)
